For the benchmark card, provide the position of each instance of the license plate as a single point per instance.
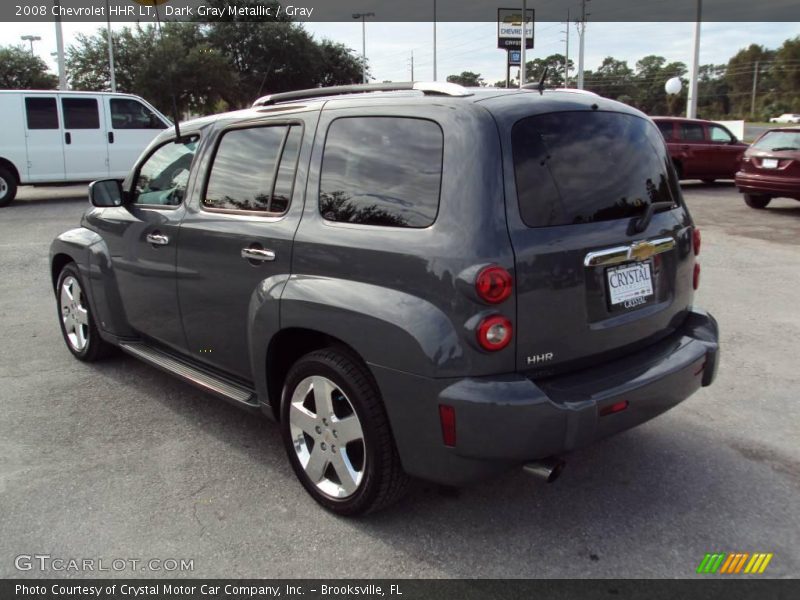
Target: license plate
(769, 163)
(630, 285)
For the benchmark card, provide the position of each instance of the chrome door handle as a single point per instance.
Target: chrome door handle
(258, 254)
(157, 239)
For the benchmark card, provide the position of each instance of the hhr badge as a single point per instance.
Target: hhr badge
(540, 358)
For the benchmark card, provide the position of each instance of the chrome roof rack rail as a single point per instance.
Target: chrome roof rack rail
(426, 87)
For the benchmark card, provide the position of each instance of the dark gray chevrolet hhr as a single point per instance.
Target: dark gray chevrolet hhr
(414, 279)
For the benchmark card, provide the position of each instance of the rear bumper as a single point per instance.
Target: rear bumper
(504, 421)
(752, 183)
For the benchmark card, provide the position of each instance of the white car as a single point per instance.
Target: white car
(59, 136)
(786, 118)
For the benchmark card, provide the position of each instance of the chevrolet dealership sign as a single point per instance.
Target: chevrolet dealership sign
(509, 28)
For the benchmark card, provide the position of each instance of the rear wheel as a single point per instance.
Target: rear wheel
(337, 434)
(8, 186)
(76, 319)
(709, 180)
(756, 200)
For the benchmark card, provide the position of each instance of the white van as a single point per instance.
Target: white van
(58, 137)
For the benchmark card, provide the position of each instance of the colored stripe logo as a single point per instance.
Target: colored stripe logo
(733, 563)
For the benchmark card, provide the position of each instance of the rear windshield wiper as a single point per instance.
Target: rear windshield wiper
(784, 148)
(639, 224)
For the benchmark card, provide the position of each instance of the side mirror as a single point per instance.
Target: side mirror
(105, 193)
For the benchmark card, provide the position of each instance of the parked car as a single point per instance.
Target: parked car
(429, 281)
(60, 137)
(771, 168)
(786, 118)
(701, 149)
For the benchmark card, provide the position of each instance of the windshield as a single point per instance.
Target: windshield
(785, 140)
(582, 167)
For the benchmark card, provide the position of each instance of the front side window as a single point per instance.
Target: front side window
(691, 132)
(720, 135)
(583, 167)
(163, 177)
(127, 113)
(382, 171)
(41, 113)
(243, 176)
(80, 113)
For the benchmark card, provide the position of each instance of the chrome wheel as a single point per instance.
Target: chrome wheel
(3, 188)
(74, 313)
(327, 437)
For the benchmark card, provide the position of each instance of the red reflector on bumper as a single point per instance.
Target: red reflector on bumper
(613, 408)
(447, 415)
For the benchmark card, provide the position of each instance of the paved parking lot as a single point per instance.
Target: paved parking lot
(118, 460)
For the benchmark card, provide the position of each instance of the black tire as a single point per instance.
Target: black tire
(678, 170)
(756, 200)
(8, 186)
(94, 347)
(382, 479)
(708, 181)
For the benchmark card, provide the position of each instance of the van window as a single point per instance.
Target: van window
(127, 113)
(242, 175)
(80, 113)
(382, 171)
(162, 179)
(583, 167)
(691, 132)
(720, 134)
(41, 113)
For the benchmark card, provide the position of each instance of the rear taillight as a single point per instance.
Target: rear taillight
(447, 416)
(696, 240)
(494, 333)
(494, 285)
(696, 277)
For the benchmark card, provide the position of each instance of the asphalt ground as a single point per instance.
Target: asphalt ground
(118, 460)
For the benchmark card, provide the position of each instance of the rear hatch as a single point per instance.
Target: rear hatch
(601, 237)
(775, 154)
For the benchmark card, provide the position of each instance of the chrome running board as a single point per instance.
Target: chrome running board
(226, 390)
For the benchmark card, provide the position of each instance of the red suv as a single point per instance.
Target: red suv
(771, 167)
(701, 149)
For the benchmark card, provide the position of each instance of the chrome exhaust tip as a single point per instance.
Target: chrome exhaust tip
(548, 469)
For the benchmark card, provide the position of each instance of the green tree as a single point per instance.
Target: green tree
(555, 70)
(467, 79)
(21, 70)
(739, 77)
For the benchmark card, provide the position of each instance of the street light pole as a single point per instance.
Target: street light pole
(523, 39)
(111, 51)
(434, 41)
(691, 101)
(363, 17)
(62, 70)
(31, 39)
(582, 33)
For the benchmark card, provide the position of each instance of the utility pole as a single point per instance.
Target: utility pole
(62, 70)
(582, 34)
(755, 85)
(566, 55)
(412, 65)
(111, 51)
(363, 17)
(691, 101)
(31, 39)
(434, 41)
(523, 39)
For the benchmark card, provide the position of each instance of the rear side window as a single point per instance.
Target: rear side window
(583, 167)
(691, 132)
(382, 171)
(41, 113)
(127, 113)
(666, 128)
(246, 174)
(80, 113)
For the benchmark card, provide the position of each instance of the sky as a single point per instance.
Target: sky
(472, 46)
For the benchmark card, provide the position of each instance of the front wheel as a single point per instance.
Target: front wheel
(8, 186)
(76, 319)
(337, 434)
(756, 200)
